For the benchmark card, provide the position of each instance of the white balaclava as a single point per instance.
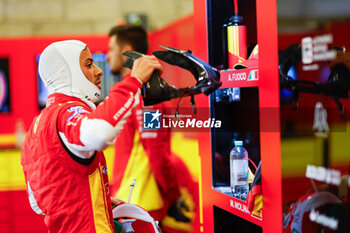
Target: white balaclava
(59, 68)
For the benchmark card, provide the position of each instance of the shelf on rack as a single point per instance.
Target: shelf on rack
(235, 206)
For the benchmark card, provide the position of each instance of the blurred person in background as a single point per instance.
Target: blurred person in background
(62, 158)
(145, 155)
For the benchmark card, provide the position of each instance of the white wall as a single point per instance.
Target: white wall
(313, 8)
(54, 17)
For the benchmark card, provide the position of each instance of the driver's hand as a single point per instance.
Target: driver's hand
(143, 68)
(116, 201)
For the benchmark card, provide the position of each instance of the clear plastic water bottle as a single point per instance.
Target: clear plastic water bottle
(239, 171)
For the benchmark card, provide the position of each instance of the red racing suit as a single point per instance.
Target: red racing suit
(64, 167)
(146, 156)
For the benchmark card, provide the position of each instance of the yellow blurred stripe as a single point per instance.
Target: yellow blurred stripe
(6, 139)
(297, 153)
(11, 174)
(187, 150)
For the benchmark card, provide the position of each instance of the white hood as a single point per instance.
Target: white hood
(59, 68)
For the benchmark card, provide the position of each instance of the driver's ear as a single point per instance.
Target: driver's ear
(127, 47)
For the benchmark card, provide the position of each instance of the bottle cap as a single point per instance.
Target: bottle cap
(233, 20)
(238, 143)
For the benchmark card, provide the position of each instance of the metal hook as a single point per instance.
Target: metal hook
(193, 104)
(177, 109)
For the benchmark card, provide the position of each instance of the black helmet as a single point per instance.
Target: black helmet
(156, 90)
